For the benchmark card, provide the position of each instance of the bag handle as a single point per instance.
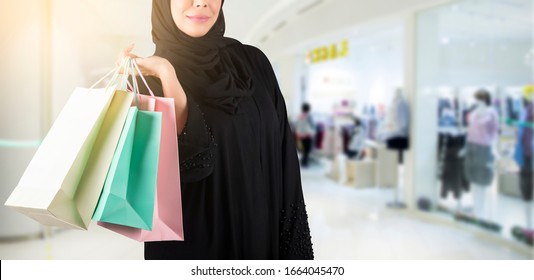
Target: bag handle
(126, 74)
(134, 86)
(142, 77)
(115, 73)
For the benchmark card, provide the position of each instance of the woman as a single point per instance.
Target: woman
(241, 189)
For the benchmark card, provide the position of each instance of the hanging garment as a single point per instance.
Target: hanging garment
(398, 143)
(525, 135)
(526, 178)
(356, 144)
(443, 104)
(346, 133)
(478, 164)
(452, 175)
(483, 125)
(319, 136)
(524, 150)
(372, 125)
(397, 126)
(357, 140)
(397, 123)
(512, 110)
(328, 148)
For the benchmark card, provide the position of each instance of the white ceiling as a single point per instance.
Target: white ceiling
(254, 22)
(299, 20)
(274, 25)
(283, 25)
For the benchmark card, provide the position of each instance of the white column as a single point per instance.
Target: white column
(410, 93)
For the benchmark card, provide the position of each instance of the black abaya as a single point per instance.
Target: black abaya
(241, 189)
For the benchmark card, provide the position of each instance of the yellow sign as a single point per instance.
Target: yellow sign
(326, 53)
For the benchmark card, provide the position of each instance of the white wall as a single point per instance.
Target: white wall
(21, 109)
(286, 68)
(369, 74)
(48, 48)
(87, 37)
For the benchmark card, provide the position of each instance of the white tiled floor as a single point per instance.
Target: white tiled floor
(345, 223)
(356, 224)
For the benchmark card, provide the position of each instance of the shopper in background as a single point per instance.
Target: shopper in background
(355, 149)
(240, 178)
(305, 131)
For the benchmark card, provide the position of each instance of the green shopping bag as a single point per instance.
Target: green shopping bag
(128, 194)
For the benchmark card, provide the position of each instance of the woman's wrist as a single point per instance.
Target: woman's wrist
(166, 71)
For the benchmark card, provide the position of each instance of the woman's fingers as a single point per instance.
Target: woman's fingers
(127, 52)
(129, 48)
(146, 66)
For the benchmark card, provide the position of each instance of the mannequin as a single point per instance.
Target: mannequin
(480, 152)
(524, 153)
(397, 124)
(396, 133)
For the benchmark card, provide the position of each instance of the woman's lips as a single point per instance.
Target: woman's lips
(198, 19)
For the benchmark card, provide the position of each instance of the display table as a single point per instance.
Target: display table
(386, 167)
(361, 173)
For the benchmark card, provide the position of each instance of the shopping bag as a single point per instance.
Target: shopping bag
(167, 218)
(62, 183)
(128, 194)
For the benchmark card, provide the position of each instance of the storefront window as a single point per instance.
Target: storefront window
(474, 66)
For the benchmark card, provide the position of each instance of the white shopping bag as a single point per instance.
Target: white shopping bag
(62, 184)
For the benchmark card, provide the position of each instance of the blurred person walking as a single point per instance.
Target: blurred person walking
(305, 131)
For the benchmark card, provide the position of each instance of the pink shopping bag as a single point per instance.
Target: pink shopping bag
(167, 222)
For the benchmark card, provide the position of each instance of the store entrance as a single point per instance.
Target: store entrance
(474, 76)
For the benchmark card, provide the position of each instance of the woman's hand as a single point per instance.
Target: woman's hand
(127, 52)
(149, 66)
(163, 69)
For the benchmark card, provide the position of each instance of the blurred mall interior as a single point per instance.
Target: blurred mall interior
(418, 143)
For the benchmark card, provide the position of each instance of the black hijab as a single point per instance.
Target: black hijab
(211, 68)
